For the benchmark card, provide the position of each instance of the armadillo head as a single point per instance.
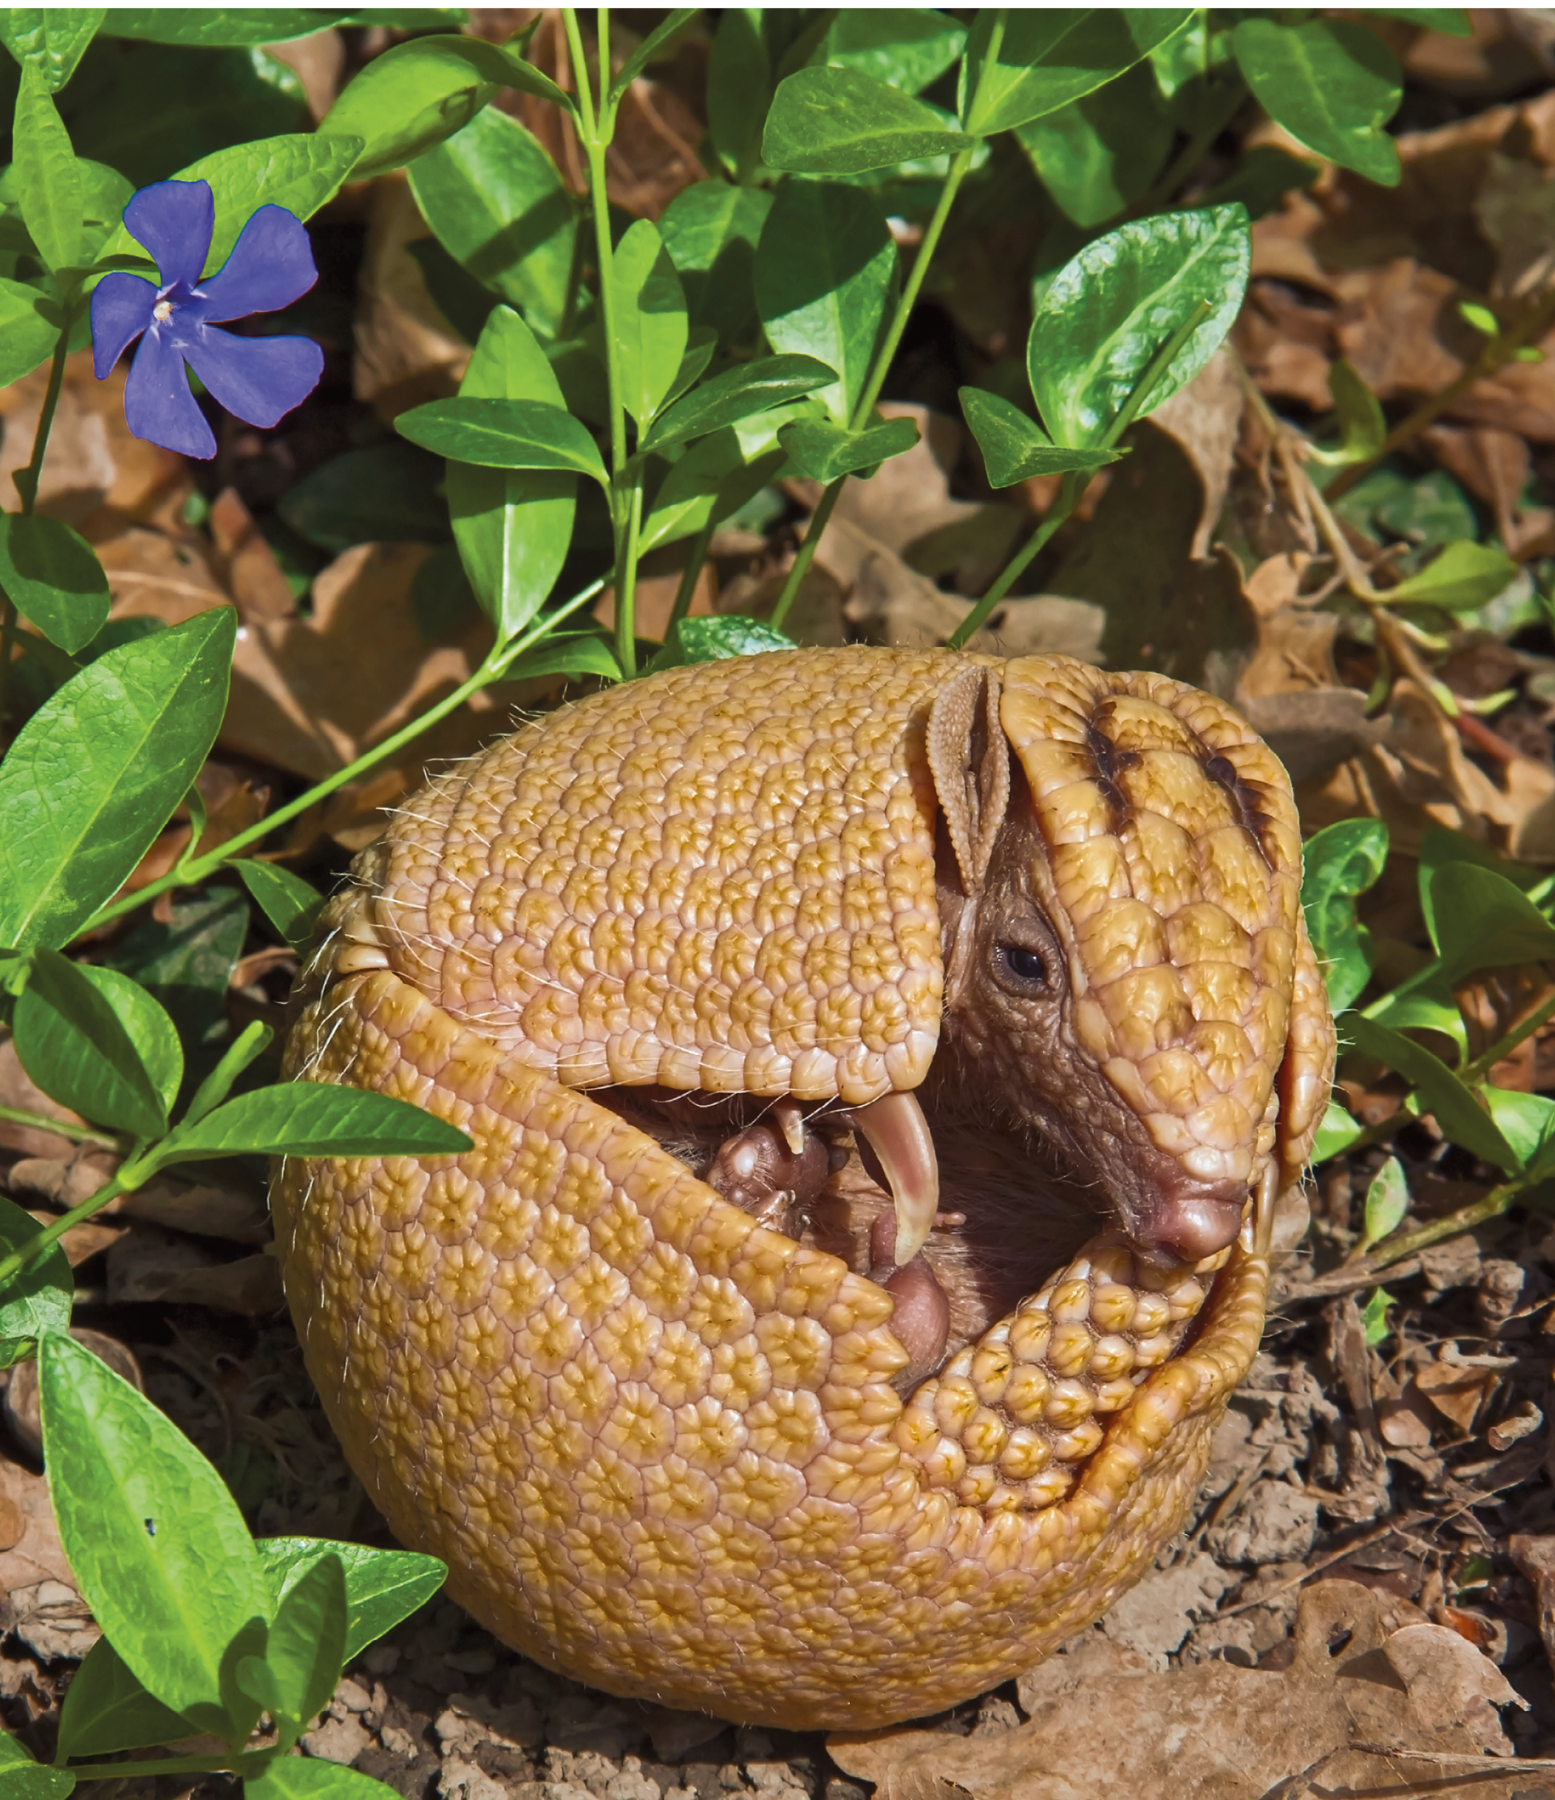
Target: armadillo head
(1126, 965)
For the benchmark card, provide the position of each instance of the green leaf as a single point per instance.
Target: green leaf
(107, 1709)
(1015, 447)
(104, 195)
(823, 451)
(714, 639)
(711, 230)
(299, 171)
(220, 27)
(1483, 922)
(905, 47)
(504, 434)
(738, 393)
(652, 46)
(311, 1118)
(1331, 84)
(498, 206)
(52, 576)
(843, 122)
(1374, 1316)
(155, 1540)
(700, 345)
(1107, 312)
(23, 1779)
(1050, 56)
(382, 1586)
(1461, 578)
(36, 1301)
(1336, 1133)
(249, 1045)
(97, 1042)
(1362, 426)
(513, 527)
(389, 492)
(1099, 154)
(1527, 1122)
(306, 1648)
(1387, 1200)
(46, 178)
(311, 1778)
(291, 904)
(53, 37)
(1342, 861)
(1441, 1092)
(649, 312)
(415, 95)
(825, 274)
(739, 89)
(713, 479)
(27, 335)
(185, 959)
(568, 653)
(95, 772)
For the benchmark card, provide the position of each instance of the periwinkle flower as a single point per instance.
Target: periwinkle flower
(257, 379)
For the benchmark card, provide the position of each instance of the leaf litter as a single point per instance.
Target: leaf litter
(1364, 1600)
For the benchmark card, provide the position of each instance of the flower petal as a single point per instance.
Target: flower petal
(121, 309)
(271, 265)
(158, 405)
(258, 379)
(174, 220)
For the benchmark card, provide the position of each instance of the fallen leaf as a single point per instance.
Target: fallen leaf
(406, 352)
(147, 1264)
(1457, 1393)
(1452, 1685)
(1205, 418)
(17, 1089)
(245, 562)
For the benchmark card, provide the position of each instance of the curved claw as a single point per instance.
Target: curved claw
(899, 1135)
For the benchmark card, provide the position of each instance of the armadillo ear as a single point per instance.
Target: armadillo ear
(970, 762)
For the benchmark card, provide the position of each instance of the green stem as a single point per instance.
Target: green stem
(690, 575)
(1068, 496)
(806, 553)
(1492, 1206)
(160, 1765)
(494, 668)
(1525, 1028)
(27, 480)
(78, 1134)
(129, 1177)
(626, 582)
(594, 146)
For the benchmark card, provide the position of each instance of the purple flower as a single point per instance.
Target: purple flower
(258, 379)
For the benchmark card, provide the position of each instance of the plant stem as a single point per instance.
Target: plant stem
(1525, 1028)
(78, 1134)
(494, 668)
(33, 1250)
(626, 582)
(690, 575)
(805, 555)
(1069, 493)
(27, 487)
(1491, 1206)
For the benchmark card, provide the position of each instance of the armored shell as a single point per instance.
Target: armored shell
(657, 1443)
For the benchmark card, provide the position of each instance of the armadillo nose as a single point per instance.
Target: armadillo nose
(1197, 1220)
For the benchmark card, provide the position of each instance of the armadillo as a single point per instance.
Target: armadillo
(882, 1067)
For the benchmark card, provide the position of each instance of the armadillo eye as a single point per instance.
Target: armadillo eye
(1024, 964)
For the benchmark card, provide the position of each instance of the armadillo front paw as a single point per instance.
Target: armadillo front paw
(772, 1171)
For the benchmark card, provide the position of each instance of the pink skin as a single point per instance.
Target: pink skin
(922, 1318)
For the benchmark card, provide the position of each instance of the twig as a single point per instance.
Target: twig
(1325, 1562)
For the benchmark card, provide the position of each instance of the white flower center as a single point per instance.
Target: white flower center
(162, 311)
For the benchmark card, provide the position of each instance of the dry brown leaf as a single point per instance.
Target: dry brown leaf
(152, 575)
(1456, 1392)
(405, 350)
(45, 1607)
(1219, 1732)
(1516, 208)
(148, 1264)
(318, 61)
(1205, 418)
(236, 1213)
(654, 599)
(17, 1089)
(246, 563)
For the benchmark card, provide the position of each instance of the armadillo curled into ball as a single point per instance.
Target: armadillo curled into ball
(882, 1067)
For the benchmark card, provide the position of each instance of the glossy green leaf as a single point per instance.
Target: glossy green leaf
(503, 434)
(1015, 447)
(1441, 1092)
(220, 27)
(46, 179)
(104, 195)
(36, 1301)
(1049, 56)
(291, 904)
(1358, 411)
(1527, 1122)
(311, 1118)
(27, 333)
(106, 1709)
(825, 274)
(843, 122)
(95, 1041)
(905, 47)
(700, 347)
(1342, 861)
(650, 49)
(53, 37)
(649, 314)
(714, 478)
(23, 1779)
(513, 527)
(739, 89)
(94, 774)
(1336, 1133)
(1099, 154)
(1461, 578)
(52, 576)
(413, 96)
(382, 1586)
(311, 1778)
(1331, 84)
(1483, 922)
(299, 171)
(711, 230)
(1107, 312)
(498, 206)
(155, 1540)
(305, 1651)
(711, 640)
(1387, 1200)
(823, 451)
(738, 393)
(1438, 848)
(568, 653)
